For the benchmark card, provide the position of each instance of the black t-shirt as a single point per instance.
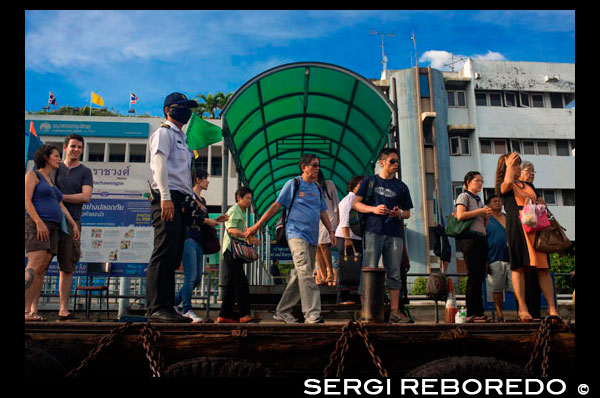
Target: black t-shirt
(70, 182)
(391, 193)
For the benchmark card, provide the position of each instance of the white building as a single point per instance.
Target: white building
(497, 107)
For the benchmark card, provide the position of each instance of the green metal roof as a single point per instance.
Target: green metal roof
(305, 107)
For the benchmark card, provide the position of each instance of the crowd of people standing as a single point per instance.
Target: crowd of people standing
(495, 245)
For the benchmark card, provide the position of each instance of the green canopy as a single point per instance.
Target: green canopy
(305, 107)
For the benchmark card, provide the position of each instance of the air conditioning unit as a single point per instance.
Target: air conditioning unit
(549, 78)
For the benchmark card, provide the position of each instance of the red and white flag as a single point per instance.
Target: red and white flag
(52, 99)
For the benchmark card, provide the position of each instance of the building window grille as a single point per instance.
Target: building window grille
(528, 148)
(486, 146)
(481, 99)
(116, 152)
(495, 99)
(137, 153)
(95, 152)
(500, 147)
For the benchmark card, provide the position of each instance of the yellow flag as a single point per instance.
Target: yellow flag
(96, 99)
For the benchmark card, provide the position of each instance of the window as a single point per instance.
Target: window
(543, 148)
(202, 159)
(524, 99)
(457, 188)
(495, 99)
(457, 99)
(562, 148)
(528, 148)
(116, 152)
(568, 196)
(424, 85)
(510, 99)
(461, 98)
(537, 100)
(459, 146)
(500, 147)
(549, 196)
(216, 162)
(451, 101)
(481, 99)
(95, 152)
(486, 146)
(137, 153)
(515, 146)
(556, 100)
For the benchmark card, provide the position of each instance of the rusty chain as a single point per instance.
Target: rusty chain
(149, 337)
(542, 343)
(342, 344)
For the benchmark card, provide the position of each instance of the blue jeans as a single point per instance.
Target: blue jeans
(192, 273)
(391, 248)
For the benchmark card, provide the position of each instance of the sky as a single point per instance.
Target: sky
(153, 53)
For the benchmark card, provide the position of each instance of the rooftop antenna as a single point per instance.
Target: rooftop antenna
(384, 58)
(452, 62)
(415, 44)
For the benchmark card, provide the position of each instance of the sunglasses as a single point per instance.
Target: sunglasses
(393, 161)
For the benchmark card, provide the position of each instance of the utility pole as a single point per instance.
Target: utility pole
(384, 58)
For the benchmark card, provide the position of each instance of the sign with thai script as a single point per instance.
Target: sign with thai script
(90, 129)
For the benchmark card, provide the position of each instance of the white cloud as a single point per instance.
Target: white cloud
(444, 60)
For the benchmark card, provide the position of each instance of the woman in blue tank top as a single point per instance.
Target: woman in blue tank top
(43, 215)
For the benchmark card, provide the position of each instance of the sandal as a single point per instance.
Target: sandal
(525, 319)
(35, 317)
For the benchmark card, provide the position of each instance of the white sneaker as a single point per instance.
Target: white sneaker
(285, 317)
(195, 318)
(178, 311)
(318, 319)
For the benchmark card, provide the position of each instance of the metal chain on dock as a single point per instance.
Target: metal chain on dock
(542, 343)
(342, 344)
(149, 337)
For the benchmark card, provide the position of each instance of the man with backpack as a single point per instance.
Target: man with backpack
(305, 205)
(385, 201)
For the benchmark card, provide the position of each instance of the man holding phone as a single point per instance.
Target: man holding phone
(384, 229)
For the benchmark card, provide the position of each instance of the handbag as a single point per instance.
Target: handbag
(242, 250)
(551, 239)
(349, 268)
(210, 240)
(455, 227)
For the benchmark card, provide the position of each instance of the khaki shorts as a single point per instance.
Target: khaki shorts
(69, 250)
(32, 243)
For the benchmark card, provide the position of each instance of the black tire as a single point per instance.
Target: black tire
(472, 367)
(216, 367)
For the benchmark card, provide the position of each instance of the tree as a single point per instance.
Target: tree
(212, 104)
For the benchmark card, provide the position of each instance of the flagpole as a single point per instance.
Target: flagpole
(91, 96)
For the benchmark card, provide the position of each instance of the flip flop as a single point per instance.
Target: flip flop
(66, 317)
(35, 318)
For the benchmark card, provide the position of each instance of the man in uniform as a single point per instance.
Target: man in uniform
(170, 163)
(75, 181)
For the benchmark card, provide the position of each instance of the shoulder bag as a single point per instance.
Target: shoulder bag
(551, 239)
(242, 250)
(210, 240)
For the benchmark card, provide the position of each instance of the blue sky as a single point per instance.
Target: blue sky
(154, 53)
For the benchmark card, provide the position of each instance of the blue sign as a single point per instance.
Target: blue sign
(63, 128)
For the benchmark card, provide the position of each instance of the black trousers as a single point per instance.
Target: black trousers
(236, 289)
(474, 248)
(169, 238)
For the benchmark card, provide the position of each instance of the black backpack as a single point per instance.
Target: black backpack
(357, 219)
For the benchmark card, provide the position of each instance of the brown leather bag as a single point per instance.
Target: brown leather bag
(553, 238)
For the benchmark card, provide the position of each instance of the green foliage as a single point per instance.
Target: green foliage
(562, 264)
(85, 111)
(420, 286)
(462, 285)
(212, 104)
